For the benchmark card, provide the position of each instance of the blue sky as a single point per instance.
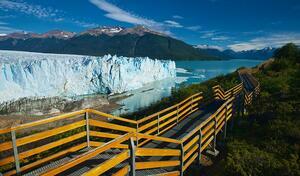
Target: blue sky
(235, 24)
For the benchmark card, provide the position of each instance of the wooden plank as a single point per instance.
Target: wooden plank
(187, 114)
(228, 117)
(166, 129)
(182, 114)
(87, 155)
(173, 173)
(197, 99)
(207, 135)
(111, 116)
(219, 115)
(48, 120)
(156, 164)
(220, 127)
(5, 130)
(186, 156)
(157, 152)
(203, 147)
(112, 126)
(148, 125)
(43, 148)
(168, 115)
(184, 106)
(207, 128)
(97, 144)
(107, 165)
(103, 134)
(49, 133)
(189, 144)
(49, 158)
(191, 133)
(51, 145)
(221, 120)
(5, 146)
(207, 120)
(161, 126)
(154, 129)
(158, 138)
(167, 109)
(143, 143)
(122, 172)
(190, 161)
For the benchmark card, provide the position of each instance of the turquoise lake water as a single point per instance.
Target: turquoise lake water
(188, 72)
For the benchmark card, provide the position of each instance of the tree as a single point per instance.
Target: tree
(289, 51)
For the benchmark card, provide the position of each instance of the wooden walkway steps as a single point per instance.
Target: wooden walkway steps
(90, 142)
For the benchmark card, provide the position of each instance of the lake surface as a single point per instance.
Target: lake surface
(188, 72)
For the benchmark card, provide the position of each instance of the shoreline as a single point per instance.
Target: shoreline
(97, 102)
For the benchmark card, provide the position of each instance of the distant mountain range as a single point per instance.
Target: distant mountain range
(257, 54)
(131, 42)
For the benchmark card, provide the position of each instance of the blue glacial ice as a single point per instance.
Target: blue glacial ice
(28, 74)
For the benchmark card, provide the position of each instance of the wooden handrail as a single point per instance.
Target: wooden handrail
(110, 116)
(167, 109)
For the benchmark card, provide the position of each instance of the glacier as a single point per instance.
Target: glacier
(29, 74)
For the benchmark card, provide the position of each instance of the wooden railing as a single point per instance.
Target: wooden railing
(55, 137)
(126, 156)
(71, 132)
(199, 139)
(164, 120)
(219, 93)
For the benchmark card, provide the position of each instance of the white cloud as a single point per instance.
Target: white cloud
(85, 24)
(119, 14)
(116, 13)
(274, 40)
(220, 38)
(210, 47)
(6, 29)
(171, 23)
(38, 11)
(177, 17)
(35, 10)
(208, 34)
(194, 28)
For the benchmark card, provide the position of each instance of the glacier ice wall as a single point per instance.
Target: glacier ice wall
(27, 74)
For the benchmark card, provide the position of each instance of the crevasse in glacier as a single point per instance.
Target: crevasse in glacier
(27, 74)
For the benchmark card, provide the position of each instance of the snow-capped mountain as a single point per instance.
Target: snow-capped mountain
(27, 74)
(102, 30)
(258, 54)
(59, 34)
(137, 41)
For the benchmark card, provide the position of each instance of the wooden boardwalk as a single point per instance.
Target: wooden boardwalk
(89, 142)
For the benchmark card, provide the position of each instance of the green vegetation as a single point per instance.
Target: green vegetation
(267, 140)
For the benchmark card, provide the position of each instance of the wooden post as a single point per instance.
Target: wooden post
(158, 124)
(132, 157)
(215, 134)
(181, 159)
(225, 125)
(87, 128)
(15, 150)
(199, 143)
